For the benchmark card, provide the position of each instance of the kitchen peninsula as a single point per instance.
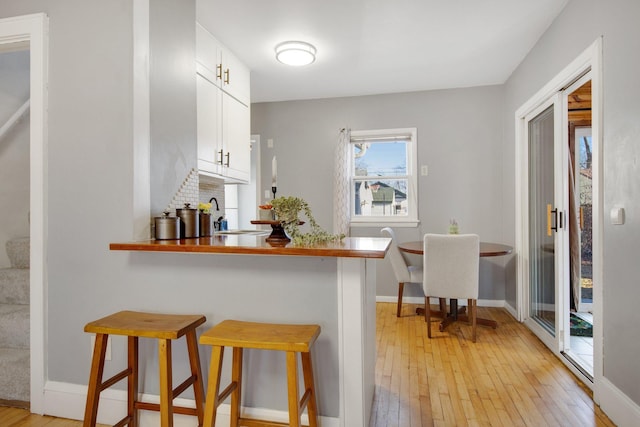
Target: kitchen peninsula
(332, 285)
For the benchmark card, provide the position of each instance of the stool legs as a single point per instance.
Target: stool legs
(292, 386)
(196, 372)
(213, 398)
(166, 385)
(95, 381)
(236, 378)
(132, 381)
(166, 407)
(296, 407)
(309, 385)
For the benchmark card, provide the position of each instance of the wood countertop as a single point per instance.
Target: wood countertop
(349, 247)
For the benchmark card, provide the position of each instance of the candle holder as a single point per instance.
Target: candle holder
(278, 236)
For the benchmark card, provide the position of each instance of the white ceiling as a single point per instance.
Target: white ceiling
(378, 46)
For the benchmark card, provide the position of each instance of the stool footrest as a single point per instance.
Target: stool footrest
(114, 379)
(182, 410)
(304, 400)
(250, 422)
(182, 387)
(123, 422)
(227, 391)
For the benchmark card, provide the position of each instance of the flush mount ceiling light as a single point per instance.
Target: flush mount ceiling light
(295, 53)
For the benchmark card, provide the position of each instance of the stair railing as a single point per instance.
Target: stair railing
(14, 119)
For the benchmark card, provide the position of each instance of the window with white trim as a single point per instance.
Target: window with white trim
(383, 182)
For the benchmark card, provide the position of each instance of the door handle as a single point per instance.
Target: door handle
(557, 220)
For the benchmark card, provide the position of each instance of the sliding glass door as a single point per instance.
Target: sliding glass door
(546, 218)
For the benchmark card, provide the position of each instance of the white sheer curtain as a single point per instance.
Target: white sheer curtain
(341, 198)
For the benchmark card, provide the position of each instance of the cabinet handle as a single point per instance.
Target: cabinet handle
(226, 76)
(219, 71)
(221, 156)
(228, 156)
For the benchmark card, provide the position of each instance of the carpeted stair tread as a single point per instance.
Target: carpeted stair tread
(18, 252)
(15, 374)
(14, 326)
(14, 286)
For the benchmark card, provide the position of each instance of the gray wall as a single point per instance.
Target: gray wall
(459, 139)
(14, 150)
(172, 41)
(575, 29)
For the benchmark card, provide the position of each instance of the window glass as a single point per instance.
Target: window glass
(382, 181)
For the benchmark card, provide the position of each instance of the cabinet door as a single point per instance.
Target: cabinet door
(235, 77)
(208, 55)
(209, 125)
(237, 139)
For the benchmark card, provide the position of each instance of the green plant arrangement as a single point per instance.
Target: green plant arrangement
(287, 210)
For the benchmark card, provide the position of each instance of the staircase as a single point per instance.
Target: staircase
(14, 325)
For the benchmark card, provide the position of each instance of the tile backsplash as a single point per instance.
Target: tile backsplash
(199, 188)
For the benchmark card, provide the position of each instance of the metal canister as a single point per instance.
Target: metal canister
(205, 224)
(167, 227)
(189, 222)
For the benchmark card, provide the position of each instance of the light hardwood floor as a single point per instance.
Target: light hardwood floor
(507, 378)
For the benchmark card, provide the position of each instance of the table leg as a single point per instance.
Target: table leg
(455, 313)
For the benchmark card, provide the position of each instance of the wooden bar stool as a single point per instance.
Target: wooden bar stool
(264, 336)
(163, 327)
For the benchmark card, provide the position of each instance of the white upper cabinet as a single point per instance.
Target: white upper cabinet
(209, 127)
(235, 77)
(236, 134)
(222, 66)
(223, 97)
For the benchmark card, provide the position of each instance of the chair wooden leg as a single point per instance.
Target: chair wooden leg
(213, 388)
(95, 380)
(309, 384)
(132, 381)
(292, 387)
(166, 384)
(400, 292)
(236, 394)
(443, 306)
(473, 310)
(427, 315)
(196, 371)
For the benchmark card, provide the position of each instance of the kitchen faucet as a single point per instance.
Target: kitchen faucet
(216, 223)
(215, 200)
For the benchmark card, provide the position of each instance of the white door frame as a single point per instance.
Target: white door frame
(590, 59)
(32, 32)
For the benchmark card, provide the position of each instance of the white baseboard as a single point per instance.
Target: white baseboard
(420, 300)
(512, 311)
(66, 400)
(623, 411)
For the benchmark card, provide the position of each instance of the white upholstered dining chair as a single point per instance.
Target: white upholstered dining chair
(451, 268)
(404, 273)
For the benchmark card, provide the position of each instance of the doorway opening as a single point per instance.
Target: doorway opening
(30, 31)
(580, 169)
(559, 214)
